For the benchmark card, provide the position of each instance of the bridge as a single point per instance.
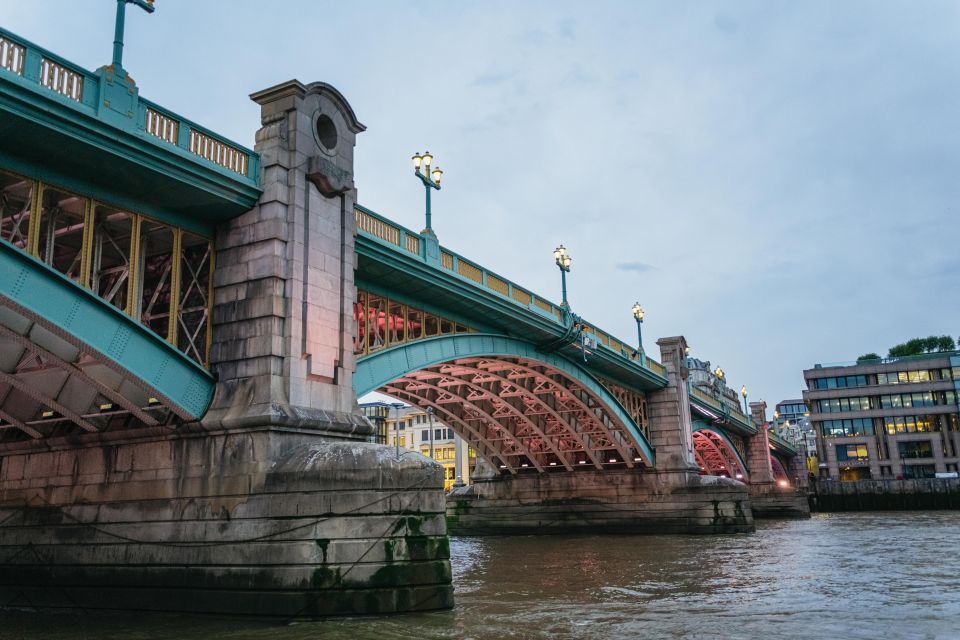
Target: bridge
(186, 325)
(530, 385)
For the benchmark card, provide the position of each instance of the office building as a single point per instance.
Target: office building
(890, 418)
(418, 430)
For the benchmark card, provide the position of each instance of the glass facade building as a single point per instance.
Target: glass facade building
(892, 418)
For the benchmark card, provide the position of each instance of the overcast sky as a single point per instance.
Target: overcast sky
(777, 181)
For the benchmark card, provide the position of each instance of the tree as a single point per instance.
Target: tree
(867, 357)
(916, 346)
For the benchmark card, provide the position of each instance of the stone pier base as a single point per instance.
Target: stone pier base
(630, 501)
(261, 522)
(771, 501)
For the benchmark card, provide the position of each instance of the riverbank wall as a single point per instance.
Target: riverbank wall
(885, 495)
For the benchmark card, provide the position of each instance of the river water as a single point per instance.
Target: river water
(851, 575)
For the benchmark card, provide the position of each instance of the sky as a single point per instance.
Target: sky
(774, 180)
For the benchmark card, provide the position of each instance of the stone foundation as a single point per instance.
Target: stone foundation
(630, 501)
(261, 522)
(771, 501)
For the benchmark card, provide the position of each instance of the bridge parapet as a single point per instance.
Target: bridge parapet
(106, 96)
(373, 226)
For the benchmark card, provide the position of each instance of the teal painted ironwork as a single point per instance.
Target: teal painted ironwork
(384, 366)
(146, 5)
(701, 426)
(61, 305)
(493, 297)
(50, 107)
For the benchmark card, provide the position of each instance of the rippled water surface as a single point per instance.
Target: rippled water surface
(877, 575)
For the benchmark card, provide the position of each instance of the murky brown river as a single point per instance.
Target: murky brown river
(876, 575)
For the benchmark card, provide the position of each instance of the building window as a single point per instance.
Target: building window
(919, 471)
(438, 434)
(916, 449)
(847, 452)
(424, 435)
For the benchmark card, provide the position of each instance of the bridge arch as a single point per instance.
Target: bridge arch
(779, 471)
(716, 453)
(520, 408)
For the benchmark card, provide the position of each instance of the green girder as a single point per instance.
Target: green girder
(99, 328)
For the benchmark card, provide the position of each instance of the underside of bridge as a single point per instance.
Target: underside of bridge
(522, 414)
(71, 363)
(717, 455)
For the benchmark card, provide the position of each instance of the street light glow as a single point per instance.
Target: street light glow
(417, 159)
(743, 391)
(427, 159)
(436, 175)
(638, 311)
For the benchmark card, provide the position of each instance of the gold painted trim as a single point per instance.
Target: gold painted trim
(174, 306)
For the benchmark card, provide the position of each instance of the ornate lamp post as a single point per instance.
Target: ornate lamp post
(430, 422)
(746, 407)
(430, 180)
(146, 5)
(563, 261)
(776, 417)
(721, 383)
(638, 316)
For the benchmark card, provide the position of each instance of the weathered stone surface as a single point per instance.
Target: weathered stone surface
(253, 522)
(628, 501)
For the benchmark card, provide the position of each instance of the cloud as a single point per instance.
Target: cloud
(726, 23)
(639, 267)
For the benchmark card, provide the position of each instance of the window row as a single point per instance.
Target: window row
(903, 377)
(847, 428)
(838, 405)
(839, 382)
(925, 399)
(894, 401)
(892, 425)
(893, 377)
(380, 322)
(446, 453)
(792, 409)
(157, 273)
(438, 434)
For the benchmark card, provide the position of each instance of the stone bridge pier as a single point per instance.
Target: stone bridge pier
(274, 503)
(770, 497)
(672, 498)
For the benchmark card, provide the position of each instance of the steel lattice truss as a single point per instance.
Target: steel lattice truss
(715, 456)
(518, 413)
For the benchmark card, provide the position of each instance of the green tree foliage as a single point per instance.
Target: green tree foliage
(916, 346)
(867, 357)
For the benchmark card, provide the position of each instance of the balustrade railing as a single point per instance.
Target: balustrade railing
(375, 225)
(36, 66)
(11, 56)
